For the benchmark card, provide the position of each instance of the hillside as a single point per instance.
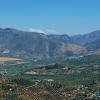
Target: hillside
(32, 45)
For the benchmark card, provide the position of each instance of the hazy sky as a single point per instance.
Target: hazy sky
(57, 16)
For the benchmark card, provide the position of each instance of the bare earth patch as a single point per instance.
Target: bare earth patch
(4, 59)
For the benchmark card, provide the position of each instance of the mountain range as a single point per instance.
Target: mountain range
(34, 45)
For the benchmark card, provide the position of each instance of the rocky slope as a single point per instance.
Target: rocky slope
(35, 45)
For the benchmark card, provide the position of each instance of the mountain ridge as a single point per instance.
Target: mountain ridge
(33, 45)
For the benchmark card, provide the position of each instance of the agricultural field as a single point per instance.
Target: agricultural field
(67, 80)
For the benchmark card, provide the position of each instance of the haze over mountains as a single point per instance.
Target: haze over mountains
(29, 45)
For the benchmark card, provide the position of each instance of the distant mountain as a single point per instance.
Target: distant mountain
(93, 46)
(87, 38)
(59, 38)
(30, 45)
(33, 45)
(90, 41)
(22, 44)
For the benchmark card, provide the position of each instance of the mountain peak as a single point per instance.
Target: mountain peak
(11, 29)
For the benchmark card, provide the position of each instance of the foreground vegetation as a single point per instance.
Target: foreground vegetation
(72, 79)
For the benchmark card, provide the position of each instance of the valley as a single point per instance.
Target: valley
(36, 66)
(73, 78)
(49, 49)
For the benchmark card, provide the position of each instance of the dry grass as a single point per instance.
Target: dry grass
(4, 59)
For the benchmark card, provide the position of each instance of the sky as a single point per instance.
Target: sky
(51, 16)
